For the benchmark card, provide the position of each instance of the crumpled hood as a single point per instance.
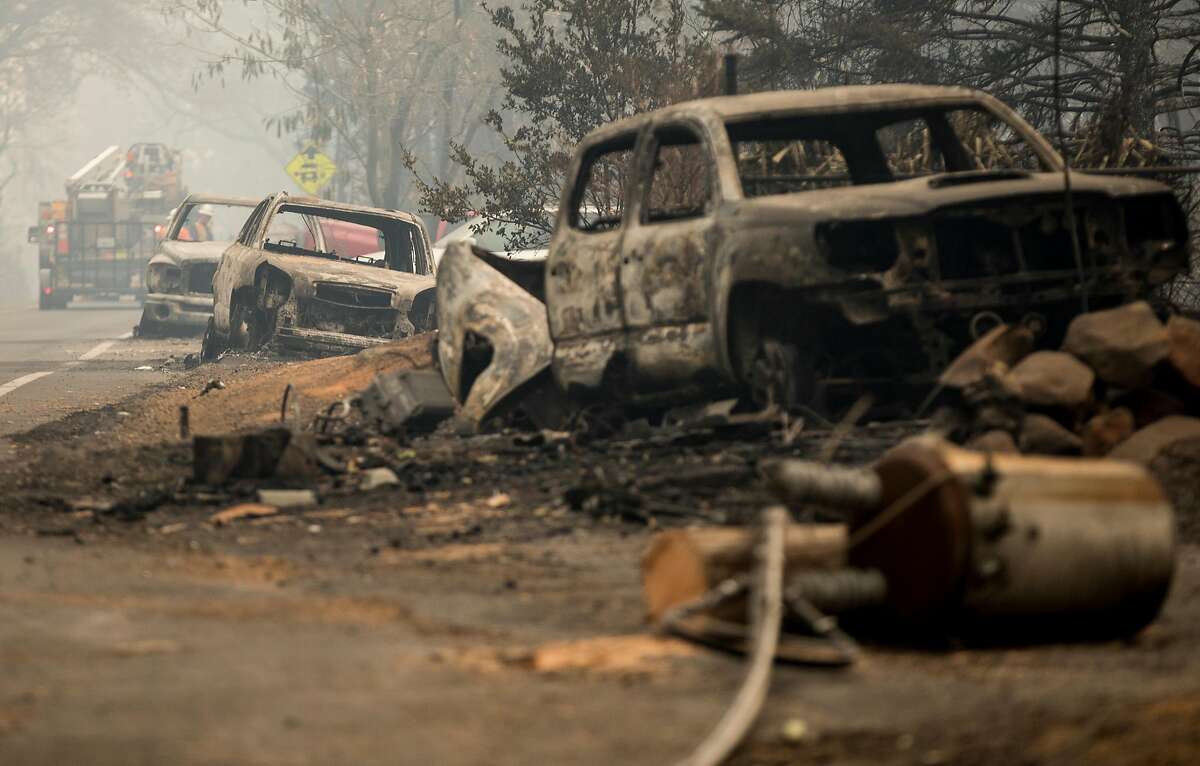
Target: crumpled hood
(310, 270)
(918, 196)
(180, 252)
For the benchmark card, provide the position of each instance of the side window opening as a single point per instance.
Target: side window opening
(598, 200)
(404, 248)
(681, 179)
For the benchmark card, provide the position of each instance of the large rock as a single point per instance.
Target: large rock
(1151, 441)
(1170, 448)
(995, 353)
(1183, 339)
(1107, 430)
(1122, 345)
(1042, 435)
(1053, 379)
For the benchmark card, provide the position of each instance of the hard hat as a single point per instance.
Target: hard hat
(205, 209)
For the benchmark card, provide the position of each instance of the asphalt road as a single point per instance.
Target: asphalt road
(53, 363)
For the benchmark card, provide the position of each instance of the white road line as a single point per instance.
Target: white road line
(99, 349)
(102, 347)
(96, 351)
(13, 385)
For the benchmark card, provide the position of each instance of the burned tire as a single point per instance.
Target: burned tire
(150, 327)
(772, 356)
(239, 329)
(52, 302)
(773, 377)
(260, 324)
(250, 326)
(214, 344)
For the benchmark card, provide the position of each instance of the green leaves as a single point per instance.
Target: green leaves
(569, 66)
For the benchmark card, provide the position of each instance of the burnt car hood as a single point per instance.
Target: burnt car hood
(921, 196)
(179, 252)
(313, 270)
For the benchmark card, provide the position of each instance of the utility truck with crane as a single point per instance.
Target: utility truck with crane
(96, 242)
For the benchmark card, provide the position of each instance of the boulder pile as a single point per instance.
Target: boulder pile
(1124, 384)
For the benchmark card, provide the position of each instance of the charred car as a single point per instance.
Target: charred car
(319, 276)
(803, 248)
(179, 277)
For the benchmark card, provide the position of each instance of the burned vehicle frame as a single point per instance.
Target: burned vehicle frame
(179, 276)
(808, 247)
(304, 295)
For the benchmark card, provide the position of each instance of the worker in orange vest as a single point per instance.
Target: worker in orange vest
(199, 227)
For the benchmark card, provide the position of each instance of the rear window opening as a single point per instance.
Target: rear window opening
(782, 154)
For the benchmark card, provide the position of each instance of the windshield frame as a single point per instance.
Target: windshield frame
(188, 205)
(394, 225)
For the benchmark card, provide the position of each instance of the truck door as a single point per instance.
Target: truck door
(665, 275)
(582, 267)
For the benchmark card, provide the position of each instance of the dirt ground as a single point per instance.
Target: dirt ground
(485, 610)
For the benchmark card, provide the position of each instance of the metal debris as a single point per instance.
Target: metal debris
(407, 402)
(375, 478)
(492, 333)
(1013, 545)
(273, 452)
(767, 618)
(212, 385)
(284, 499)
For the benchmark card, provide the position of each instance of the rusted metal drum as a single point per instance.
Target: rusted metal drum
(1014, 543)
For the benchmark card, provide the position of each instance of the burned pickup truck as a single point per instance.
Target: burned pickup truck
(803, 248)
(319, 276)
(179, 277)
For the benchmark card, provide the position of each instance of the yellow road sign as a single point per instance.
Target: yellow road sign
(311, 169)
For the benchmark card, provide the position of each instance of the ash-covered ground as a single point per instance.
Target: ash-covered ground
(486, 609)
